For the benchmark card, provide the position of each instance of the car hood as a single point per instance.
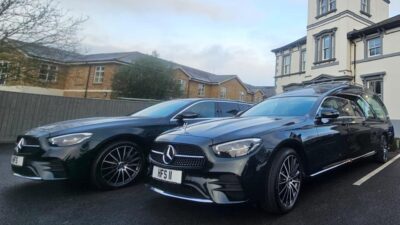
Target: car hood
(87, 123)
(237, 128)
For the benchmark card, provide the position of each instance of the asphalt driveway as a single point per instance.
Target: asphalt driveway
(329, 199)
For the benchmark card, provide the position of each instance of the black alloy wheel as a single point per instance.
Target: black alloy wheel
(118, 165)
(383, 152)
(289, 181)
(284, 180)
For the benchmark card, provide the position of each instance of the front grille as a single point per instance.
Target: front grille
(28, 145)
(186, 157)
(29, 141)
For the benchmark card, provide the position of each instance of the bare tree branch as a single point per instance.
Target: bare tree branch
(39, 22)
(34, 23)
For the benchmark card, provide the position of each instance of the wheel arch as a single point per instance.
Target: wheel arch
(121, 137)
(295, 145)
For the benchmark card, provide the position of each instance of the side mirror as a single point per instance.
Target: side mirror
(186, 115)
(330, 113)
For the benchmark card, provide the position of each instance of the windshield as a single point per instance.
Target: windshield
(287, 106)
(163, 109)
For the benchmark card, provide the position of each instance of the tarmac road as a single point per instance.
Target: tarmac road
(328, 199)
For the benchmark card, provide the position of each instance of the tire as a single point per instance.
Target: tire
(279, 185)
(381, 155)
(118, 165)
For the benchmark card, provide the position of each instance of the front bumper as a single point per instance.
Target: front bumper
(44, 162)
(220, 180)
(45, 169)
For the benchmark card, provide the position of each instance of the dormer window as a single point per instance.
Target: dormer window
(325, 7)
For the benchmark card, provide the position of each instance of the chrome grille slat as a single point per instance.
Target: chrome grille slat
(186, 157)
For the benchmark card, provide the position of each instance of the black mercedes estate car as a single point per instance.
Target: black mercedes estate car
(109, 151)
(265, 154)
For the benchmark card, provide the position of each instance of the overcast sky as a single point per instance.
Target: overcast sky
(222, 37)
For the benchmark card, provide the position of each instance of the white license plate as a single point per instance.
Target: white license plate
(17, 160)
(173, 176)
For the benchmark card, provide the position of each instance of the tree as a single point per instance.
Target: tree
(39, 22)
(148, 78)
(34, 23)
(155, 54)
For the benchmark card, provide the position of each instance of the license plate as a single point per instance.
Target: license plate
(17, 160)
(173, 176)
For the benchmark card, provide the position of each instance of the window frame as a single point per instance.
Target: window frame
(201, 90)
(320, 47)
(242, 96)
(99, 73)
(328, 5)
(303, 60)
(365, 7)
(375, 47)
(222, 92)
(182, 85)
(4, 71)
(48, 71)
(373, 89)
(326, 48)
(286, 68)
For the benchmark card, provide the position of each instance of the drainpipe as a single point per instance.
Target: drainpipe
(87, 81)
(355, 63)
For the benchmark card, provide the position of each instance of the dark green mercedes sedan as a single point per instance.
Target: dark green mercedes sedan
(111, 152)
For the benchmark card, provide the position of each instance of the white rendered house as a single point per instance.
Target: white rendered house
(347, 40)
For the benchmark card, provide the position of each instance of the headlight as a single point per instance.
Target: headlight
(70, 139)
(237, 148)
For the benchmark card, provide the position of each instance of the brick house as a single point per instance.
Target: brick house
(74, 75)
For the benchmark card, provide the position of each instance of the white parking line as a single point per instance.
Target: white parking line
(373, 173)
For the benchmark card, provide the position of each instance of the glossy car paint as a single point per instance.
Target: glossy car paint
(320, 145)
(46, 162)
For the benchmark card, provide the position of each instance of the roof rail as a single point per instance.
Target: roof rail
(336, 82)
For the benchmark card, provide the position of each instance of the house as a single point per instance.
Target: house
(346, 40)
(69, 74)
(196, 83)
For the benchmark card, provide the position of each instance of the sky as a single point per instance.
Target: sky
(218, 36)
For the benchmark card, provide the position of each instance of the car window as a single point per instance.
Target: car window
(365, 107)
(244, 107)
(343, 106)
(377, 106)
(228, 109)
(203, 109)
(357, 110)
(163, 109)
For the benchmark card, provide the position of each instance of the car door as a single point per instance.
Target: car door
(205, 110)
(227, 109)
(359, 141)
(377, 121)
(331, 145)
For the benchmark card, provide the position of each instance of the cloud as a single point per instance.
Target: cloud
(209, 9)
